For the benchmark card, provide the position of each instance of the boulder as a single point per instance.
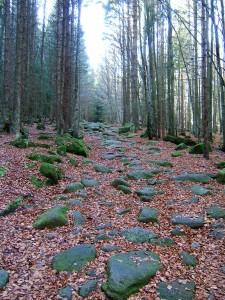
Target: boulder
(124, 189)
(146, 191)
(86, 289)
(192, 222)
(177, 290)
(199, 149)
(73, 187)
(52, 218)
(142, 174)
(45, 158)
(66, 292)
(50, 172)
(74, 259)
(220, 165)
(193, 177)
(120, 181)
(73, 145)
(147, 215)
(138, 235)
(79, 218)
(128, 272)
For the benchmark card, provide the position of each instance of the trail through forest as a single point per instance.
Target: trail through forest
(129, 199)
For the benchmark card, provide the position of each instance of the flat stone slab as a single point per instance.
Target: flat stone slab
(138, 235)
(74, 259)
(188, 259)
(177, 290)
(146, 191)
(200, 191)
(120, 181)
(79, 218)
(52, 218)
(142, 174)
(89, 182)
(192, 222)
(161, 162)
(128, 272)
(193, 177)
(216, 212)
(147, 215)
(102, 169)
(73, 187)
(4, 278)
(88, 288)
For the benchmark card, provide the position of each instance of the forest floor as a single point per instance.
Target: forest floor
(27, 253)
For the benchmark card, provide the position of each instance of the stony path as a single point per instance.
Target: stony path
(124, 207)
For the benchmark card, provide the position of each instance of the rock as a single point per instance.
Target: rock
(177, 232)
(220, 165)
(61, 150)
(195, 222)
(188, 259)
(124, 189)
(51, 172)
(104, 226)
(73, 145)
(75, 202)
(124, 211)
(178, 140)
(217, 234)
(162, 162)
(198, 149)
(4, 278)
(193, 177)
(79, 218)
(177, 290)
(102, 169)
(181, 146)
(52, 218)
(73, 187)
(198, 190)
(142, 174)
(120, 181)
(176, 154)
(193, 200)
(128, 272)
(3, 170)
(163, 242)
(66, 292)
(138, 235)
(88, 288)
(89, 182)
(146, 191)
(216, 212)
(73, 162)
(45, 158)
(74, 258)
(110, 248)
(11, 207)
(125, 128)
(195, 245)
(102, 237)
(147, 215)
(221, 176)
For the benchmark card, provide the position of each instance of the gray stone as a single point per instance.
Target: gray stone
(102, 169)
(188, 259)
(124, 189)
(216, 212)
(162, 242)
(177, 232)
(177, 290)
(198, 190)
(75, 202)
(104, 226)
(110, 248)
(89, 182)
(196, 222)
(193, 177)
(130, 271)
(52, 218)
(142, 174)
(147, 215)
(66, 292)
(79, 218)
(87, 288)
(102, 237)
(146, 191)
(120, 181)
(193, 200)
(4, 278)
(195, 245)
(73, 187)
(217, 234)
(138, 235)
(124, 211)
(74, 258)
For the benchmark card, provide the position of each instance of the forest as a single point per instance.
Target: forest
(112, 178)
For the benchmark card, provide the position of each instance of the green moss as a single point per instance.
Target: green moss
(220, 165)
(44, 137)
(11, 207)
(178, 140)
(176, 154)
(73, 145)
(46, 158)
(3, 170)
(144, 134)
(30, 166)
(221, 176)
(50, 172)
(61, 150)
(198, 149)
(22, 143)
(73, 162)
(36, 182)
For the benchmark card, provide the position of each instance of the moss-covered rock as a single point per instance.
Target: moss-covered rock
(177, 290)
(126, 128)
(216, 212)
(220, 165)
(179, 140)
(181, 146)
(102, 169)
(128, 272)
(220, 177)
(52, 218)
(144, 134)
(3, 170)
(11, 207)
(73, 187)
(196, 222)
(162, 242)
(22, 143)
(161, 162)
(89, 182)
(73, 145)
(138, 235)
(176, 154)
(198, 149)
(44, 137)
(51, 172)
(142, 174)
(188, 259)
(73, 162)
(193, 177)
(124, 189)
(45, 158)
(120, 181)
(147, 215)
(61, 150)
(198, 190)
(74, 259)
(87, 288)
(66, 292)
